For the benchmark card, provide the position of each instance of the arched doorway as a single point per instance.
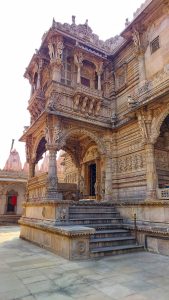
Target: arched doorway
(11, 202)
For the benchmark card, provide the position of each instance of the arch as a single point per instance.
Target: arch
(93, 135)
(36, 145)
(157, 122)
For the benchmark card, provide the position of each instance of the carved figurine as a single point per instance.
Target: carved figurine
(51, 51)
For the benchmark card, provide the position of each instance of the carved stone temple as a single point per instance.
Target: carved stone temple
(106, 105)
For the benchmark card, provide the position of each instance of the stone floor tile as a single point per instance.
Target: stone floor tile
(116, 291)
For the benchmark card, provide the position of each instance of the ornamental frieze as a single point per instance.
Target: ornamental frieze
(130, 163)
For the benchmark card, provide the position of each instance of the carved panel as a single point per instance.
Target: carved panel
(131, 163)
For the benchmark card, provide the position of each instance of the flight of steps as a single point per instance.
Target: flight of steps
(110, 237)
(9, 219)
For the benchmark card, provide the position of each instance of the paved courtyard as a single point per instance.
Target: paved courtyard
(28, 272)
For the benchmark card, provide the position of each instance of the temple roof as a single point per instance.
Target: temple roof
(13, 162)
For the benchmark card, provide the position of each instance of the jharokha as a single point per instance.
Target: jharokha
(106, 105)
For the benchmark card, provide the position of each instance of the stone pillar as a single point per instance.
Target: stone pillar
(151, 173)
(31, 169)
(99, 81)
(78, 75)
(52, 182)
(108, 179)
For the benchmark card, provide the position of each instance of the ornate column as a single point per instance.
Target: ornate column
(31, 168)
(151, 173)
(52, 182)
(39, 74)
(145, 118)
(99, 70)
(78, 61)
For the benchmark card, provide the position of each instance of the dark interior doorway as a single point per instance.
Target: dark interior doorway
(11, 202)
(92, 179)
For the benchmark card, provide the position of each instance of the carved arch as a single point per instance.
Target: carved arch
(157, 122)
(93, 135)
(36, 144)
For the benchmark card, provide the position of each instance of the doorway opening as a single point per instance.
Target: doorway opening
(11, 202)
(92, 179)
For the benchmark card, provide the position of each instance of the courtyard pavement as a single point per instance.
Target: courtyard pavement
(28, 272)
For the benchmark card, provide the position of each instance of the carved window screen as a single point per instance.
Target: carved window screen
(155, 45)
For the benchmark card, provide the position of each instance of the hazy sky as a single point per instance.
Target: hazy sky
(22, 24)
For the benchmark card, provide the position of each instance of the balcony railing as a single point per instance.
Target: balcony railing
(163, 194)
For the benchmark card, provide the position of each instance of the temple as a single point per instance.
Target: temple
(106, 105)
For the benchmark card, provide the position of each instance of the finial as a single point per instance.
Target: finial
(12, 144)
(127, 22)
(86, 23)
(53, 23)
(73, 20)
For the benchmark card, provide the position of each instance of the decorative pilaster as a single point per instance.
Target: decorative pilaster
(151, 173)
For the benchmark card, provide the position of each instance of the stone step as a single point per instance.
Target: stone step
(105, 226)
(91, 209)
(111, 233)
(83, 215)
(106, 251)
(96, 221)
(108, 242)
(9, 219)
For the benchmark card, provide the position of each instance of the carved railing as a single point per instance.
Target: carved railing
(37, 189)
(87, 91)
(163, 194)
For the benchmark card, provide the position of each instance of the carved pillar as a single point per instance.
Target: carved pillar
(108, 178)
(31, 169)
(151, 173)
(78, 61)
(99, 70)
(52, 182)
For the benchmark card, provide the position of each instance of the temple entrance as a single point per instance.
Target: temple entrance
(11, 202)
(92, 179)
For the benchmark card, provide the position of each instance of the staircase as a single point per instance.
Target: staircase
(9, 219)
(110, 237)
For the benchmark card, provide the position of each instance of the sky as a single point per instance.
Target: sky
(22, 24)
